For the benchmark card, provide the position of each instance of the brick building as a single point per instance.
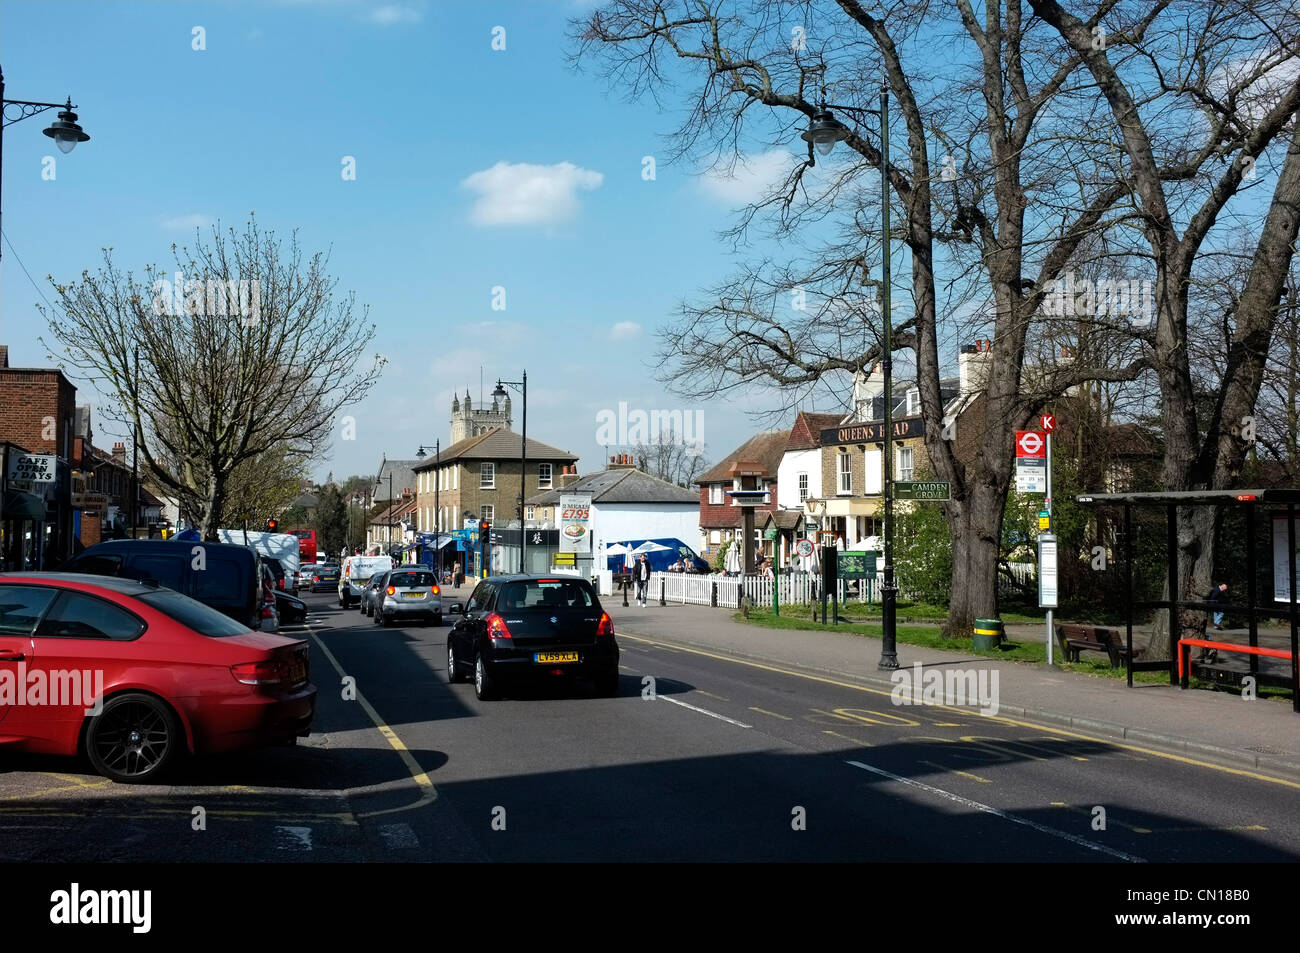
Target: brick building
(754, 465)
(479, 478)
(37, 409)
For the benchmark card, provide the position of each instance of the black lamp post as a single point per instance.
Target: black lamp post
(437, 511)
(823, 132)
(65, 131)
(379, 488)
(498, 394)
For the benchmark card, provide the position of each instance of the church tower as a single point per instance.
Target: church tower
(466, 421)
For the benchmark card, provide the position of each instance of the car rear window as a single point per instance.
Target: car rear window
(220, 583)
(411, 579)
(193, 614)
(80, 616)
(544, 594)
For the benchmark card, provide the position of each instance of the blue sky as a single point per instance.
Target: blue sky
(475, 168)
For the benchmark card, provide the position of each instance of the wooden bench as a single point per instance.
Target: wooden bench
(1077, 638)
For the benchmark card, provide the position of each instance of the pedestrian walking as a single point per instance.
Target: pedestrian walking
(641, 576)
(1217, 598)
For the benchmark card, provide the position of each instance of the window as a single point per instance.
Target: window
(193, 614)
(545, 595)
(905, 468)
(543, 477)
(169, 571)
(220, 583)
(846, 473)
(715, 536)
(79, 616)
(21, 606)
(715, 493)
(913, 402)
(487, 476)
(532, 513)
(489, 512)
(803, 487)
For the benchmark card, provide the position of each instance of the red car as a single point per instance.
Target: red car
(172, 674)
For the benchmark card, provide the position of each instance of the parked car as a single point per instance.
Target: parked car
(355, 576)
(405, 592)
(531, 627)
(325, 578)
(177, 676)
(224, 576)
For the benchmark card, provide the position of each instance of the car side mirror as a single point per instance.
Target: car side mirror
(456, 609)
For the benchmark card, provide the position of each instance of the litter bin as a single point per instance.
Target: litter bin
(988, 634)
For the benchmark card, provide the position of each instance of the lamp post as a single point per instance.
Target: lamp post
(499, 393)
(437, 511)
(823, 132)
(65, 131)
(379, 488)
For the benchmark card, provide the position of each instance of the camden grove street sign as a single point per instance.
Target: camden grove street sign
(922, 490)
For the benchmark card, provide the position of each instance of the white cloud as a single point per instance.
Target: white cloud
(750, 179)
(392, 13)
(185, 223)
(624, 330)
(525, 194)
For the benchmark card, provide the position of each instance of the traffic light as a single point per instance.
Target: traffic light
(272, 526)
(484, 526)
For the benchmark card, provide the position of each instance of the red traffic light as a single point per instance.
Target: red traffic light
(272, 525)
(484, 526)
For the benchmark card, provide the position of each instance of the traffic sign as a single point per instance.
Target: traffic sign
(804, 548)
(1030, 443)
(1047, 423)
(919, 490)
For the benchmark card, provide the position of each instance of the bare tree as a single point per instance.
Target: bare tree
(248, 353)
(670, 457)
(1225, 73)
(998, 216)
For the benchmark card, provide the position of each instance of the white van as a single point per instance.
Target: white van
(356, 573)
(282, 547)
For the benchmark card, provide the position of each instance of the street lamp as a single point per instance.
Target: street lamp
(379, 488)
(65, 131)
(498, 394)
(824, 130)
(437, 511)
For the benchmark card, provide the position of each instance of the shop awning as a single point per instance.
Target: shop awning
(19, 505)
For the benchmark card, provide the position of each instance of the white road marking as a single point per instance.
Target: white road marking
(967, 802)
(705, 711)
(294, 838)
(399, 836)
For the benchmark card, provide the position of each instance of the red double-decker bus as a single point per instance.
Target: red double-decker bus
(306, 545)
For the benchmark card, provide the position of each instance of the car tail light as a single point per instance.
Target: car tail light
(268, 672)
(435, 590)
(496, 627)
(315, 578)
(392, 590)
(606, 625)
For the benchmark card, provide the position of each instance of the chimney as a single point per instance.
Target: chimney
(119, 453)
(4, 355)
(568, 476)
(972, 367)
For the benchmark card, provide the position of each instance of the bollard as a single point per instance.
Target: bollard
(662, 601)
(625, 605)
(713, 597)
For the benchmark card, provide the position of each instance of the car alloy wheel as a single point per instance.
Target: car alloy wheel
(483, 684)
(133, 739)
(453, 673)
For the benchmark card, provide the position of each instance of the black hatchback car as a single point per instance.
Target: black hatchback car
(531, 627)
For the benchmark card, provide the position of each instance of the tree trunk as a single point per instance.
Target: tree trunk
(977, 529)
(214, 505)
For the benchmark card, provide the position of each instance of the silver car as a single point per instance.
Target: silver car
(408, 591)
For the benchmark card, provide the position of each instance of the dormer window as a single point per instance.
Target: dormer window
(913, 402)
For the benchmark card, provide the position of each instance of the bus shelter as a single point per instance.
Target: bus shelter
(1271, 510)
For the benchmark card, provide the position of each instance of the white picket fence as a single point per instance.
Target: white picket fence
(678, 588)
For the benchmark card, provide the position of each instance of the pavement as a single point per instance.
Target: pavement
(1216, 725)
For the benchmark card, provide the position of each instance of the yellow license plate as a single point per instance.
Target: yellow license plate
(413, 595)
(553, 657)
